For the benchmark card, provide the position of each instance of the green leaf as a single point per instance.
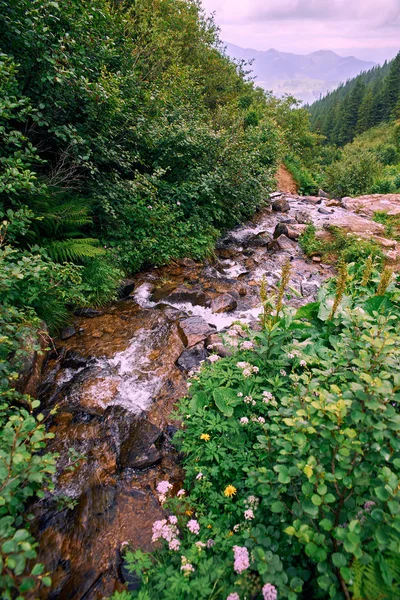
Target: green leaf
(225, 400)
(339, 560)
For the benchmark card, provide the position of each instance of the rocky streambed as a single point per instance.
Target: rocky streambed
(118, 373)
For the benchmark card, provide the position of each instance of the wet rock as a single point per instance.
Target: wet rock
(74, 360)
(193, 330)
(184, 296)
(260, 240)
(126, 288)
(30, 363)
(224, 303)
(280, 229)
(322, 194)
(67, 332)
(88, 312)
(281, 205)
(324, 211)
(192, 357)
(302, 216)
(139, 450)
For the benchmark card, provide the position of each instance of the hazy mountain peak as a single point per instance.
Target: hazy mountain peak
(305, 76)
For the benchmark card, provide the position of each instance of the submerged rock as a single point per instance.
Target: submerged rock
(281, 205)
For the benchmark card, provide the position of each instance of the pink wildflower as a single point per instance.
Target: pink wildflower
(244, 420)
(242, 561)
(269, 592)
(174, 545)
(193, 526)
(199, 476)
(233, 596)
(163, 487)
(172, 519)
(247, 345)
(180, 493)
(248, 514)
(213, 358)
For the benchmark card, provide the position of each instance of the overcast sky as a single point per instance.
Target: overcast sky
(368, 29)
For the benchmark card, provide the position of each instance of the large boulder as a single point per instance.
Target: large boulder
(194, 330)
(223, 303)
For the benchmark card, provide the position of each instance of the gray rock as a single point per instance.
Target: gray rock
(223, 303)
(275, 195)
(322, 194)
(260, 240)
(191, 357)
(281, 205)
(67, 332)
(324, 211)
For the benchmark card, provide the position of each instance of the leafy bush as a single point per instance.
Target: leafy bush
(353, 174)
(292, 458)
(383, 186)
(302, 176)
(388, 154)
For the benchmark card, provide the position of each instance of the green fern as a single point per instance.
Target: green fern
(377, 580)
(73, 249)
(58, 218)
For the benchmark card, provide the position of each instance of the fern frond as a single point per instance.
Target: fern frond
(74, 249)
(64, 216)
(369, 583)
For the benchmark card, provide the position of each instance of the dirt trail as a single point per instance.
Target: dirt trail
(285, 180)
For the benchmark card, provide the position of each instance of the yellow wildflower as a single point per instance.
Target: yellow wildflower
(230, 491)
(206, 437)
(189, 513)
(209, 526)
(230, 534)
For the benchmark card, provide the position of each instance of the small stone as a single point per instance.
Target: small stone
(275, 195)
(68, 332)
(316, 259)
(281, 205)
(324, 211)
(309, 288)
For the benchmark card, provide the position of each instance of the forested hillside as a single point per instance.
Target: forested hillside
(363, 102)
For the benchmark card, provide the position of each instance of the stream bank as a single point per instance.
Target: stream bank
(116, 379)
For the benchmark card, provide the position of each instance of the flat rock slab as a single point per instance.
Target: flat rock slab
(368, 205)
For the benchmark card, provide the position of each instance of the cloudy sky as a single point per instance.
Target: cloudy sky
(368, 29)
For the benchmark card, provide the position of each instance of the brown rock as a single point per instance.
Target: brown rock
(224, 303)
(193, 330)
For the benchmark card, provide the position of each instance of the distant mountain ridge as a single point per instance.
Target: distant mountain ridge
(305, 76)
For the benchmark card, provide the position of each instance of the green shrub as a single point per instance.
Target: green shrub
(383, 186)
(353, 174)
(388, 154)
(302, 176)
(292, 458)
